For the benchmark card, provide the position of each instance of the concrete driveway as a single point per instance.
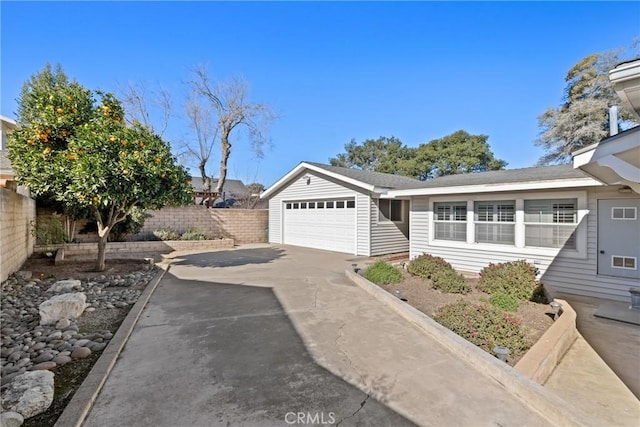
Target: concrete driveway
(278, 336)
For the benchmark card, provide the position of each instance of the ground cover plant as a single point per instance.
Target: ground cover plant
(382, 273)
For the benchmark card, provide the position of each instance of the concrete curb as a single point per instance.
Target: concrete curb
(532, 394)
(543, 357)
(82, 401)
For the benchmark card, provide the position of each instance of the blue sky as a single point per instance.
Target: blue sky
(332, 70)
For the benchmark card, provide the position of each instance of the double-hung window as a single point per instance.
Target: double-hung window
(550, 223)
(450, 221)
(495, 222)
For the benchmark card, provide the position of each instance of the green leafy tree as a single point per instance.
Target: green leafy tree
(387, 155)
(583, 118)
(77, 150)
(457, 153)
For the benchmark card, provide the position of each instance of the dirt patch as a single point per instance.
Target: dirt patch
(42, 266)
(535, 318)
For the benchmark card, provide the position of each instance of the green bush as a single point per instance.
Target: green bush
(166, 233)
(49, 230)
(440, 273)
(484, 325)
(193, 234)
(516, 278)
(506, 302)
(382, 273)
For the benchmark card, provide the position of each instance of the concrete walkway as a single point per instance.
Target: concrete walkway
(251, 336)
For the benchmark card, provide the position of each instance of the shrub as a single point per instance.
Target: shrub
(193, 234)
(440, 273)
(506, 302)
(484, 325)
(382, 273)
(516, 278)
(49, 230)
(166, 234)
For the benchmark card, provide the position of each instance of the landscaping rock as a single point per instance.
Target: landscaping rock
(61, 360)
(11, 419)
(44, 357)
(63, 324)
(29, 394)
(64, 306)
(23, 275)
(64, 286)
(44, 366)
(81, 353)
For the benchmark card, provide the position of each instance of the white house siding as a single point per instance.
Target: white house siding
(363, 224)
(389, 237)
(319, 187)
(563, 273)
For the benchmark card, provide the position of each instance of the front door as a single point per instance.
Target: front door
(619, 237)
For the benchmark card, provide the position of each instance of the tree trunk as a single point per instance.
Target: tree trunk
(226, 150)
(102, 252)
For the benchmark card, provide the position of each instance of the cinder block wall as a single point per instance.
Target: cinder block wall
(241, 225)
(16, 240)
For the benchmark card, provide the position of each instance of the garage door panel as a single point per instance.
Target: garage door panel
(329, 228)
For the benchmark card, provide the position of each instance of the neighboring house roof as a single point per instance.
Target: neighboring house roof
(231, 186)
(388, 185)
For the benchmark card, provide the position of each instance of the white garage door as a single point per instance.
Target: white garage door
(321, 224)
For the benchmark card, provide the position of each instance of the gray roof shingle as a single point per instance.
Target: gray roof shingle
(396, 182)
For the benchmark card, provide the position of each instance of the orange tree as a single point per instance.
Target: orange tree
(77, 150)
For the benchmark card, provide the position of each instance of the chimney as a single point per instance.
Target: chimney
(613, 120)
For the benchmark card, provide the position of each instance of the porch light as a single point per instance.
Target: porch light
(556, 309)
(502, 353)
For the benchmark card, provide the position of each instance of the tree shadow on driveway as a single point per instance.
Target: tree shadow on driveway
(232, 258)
(208, 353)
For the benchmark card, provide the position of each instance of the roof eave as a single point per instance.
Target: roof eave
(504, 187)
(269, 192)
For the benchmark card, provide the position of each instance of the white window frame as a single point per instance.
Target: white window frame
(573, 224)
(519, 248)
(624, 208)
(495, 218)
(382, 219)
(624, 257)
(450, 221)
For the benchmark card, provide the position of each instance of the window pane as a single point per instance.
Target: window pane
(630, 213)
(329, 205)
(550, 236)
(396, 210)
(312, 205)
(502, 211)
(383, 207)
(618, 261)
(340, 204)
(295, 206)
(617, 213)
(451, 231)
(630, 263)
(495, 233)
(320, 205)
(288, 205)
(303, 205)
(456, 211)
(351, 203)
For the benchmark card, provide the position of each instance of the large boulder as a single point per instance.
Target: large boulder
(64, 286)
(29, 394)
(64, 306)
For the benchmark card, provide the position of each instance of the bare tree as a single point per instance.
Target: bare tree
(138, 101)
(232, 110)
(200, 115)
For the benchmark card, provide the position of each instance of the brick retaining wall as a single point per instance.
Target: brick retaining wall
(16, 240)
(241, 225)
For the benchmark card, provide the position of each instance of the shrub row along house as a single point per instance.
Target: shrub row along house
(578, 224)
